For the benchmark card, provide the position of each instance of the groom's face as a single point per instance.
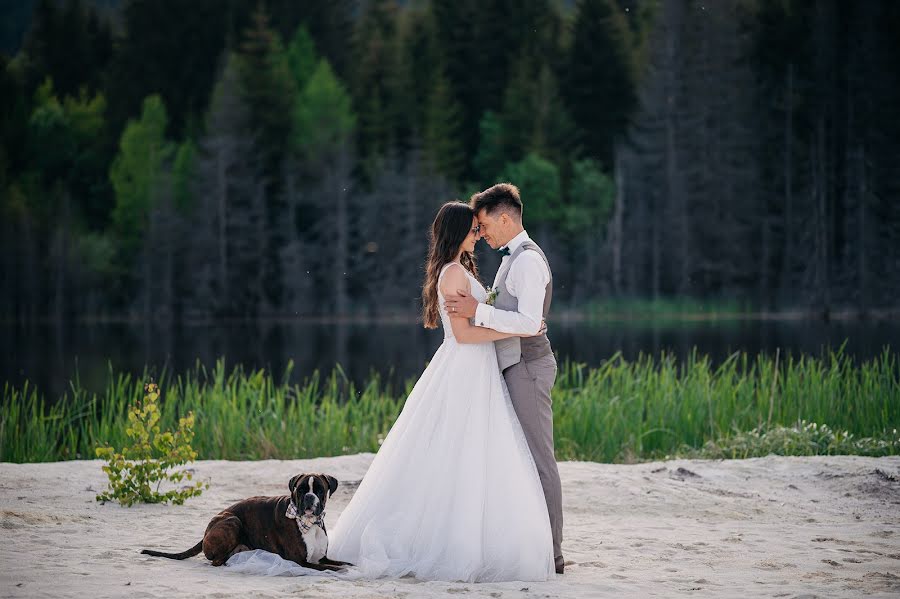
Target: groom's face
(491, 228)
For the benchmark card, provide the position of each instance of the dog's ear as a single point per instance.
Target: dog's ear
(293, 482)
(332, 483)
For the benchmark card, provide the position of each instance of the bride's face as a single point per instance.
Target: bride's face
(468, 244)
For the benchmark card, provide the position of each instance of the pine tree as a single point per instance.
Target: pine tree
(479, 42)
(318, 255)
(60, 155)
(269, 91)
(183, 171)
(326, 21)
(517, 117)
(491, 155)
(601, 78)
(301, 57)
(71, 44)
(170, 48)
(136, 171)
(443, 141)
(323, 116)
(228, 241)
(140, 178)
(375, 40)
(419, 56)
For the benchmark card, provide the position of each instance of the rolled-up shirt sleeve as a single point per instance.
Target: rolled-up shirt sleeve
(527, 281)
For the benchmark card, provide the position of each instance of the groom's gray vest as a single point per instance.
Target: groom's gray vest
(513, 349)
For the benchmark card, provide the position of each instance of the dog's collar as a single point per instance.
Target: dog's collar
(304, 522)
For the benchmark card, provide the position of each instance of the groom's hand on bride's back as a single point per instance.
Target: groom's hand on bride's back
(463, 305)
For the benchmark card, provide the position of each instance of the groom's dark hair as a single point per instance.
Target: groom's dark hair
(500, 196)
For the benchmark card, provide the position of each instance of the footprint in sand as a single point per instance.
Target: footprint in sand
(882, 534)
(770, 565)
(833, 540)
(882, 581)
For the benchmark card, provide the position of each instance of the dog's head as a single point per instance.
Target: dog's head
(311, 491)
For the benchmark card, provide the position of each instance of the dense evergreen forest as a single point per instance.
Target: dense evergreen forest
(194, 160)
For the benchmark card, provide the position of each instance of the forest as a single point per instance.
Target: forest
(208, 160)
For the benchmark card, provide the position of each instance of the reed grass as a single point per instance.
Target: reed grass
(655, 408)
(652, 407)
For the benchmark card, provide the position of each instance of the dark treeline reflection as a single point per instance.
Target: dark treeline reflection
(49, 356)
(191, 161)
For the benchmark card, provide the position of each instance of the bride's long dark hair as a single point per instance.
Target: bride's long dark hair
(450, 228)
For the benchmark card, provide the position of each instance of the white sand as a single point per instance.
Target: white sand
(773, 527)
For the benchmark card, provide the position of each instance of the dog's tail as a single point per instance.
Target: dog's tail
(183, 555)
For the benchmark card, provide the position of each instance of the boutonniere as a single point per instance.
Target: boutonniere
(492, 292)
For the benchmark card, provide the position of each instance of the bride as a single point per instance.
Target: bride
(453, 494)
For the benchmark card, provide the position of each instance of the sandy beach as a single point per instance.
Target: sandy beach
(768, 527)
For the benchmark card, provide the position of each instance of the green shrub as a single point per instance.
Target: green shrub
(802, 439)
(148, 461)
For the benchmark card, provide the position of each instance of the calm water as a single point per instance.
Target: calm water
(50, 356)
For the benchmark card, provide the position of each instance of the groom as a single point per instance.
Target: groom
(525, 286)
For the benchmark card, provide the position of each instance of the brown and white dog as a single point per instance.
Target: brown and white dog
(290, 525)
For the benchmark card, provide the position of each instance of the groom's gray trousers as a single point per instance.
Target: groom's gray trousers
(529, 385)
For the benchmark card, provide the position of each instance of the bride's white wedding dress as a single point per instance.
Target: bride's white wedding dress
(453, 494)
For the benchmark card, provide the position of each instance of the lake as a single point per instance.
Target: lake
(50, 356)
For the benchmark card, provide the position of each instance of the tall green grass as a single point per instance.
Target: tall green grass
(650, 408)
(238, 415)
(622, 411)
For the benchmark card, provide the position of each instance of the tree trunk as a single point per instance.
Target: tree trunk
(222, 222)
(61, 259)
(412, 179)
(655, 246)
(674, 195)
(765, 242)
(788, 256)
(862, 265)
(149, 239)
(339, 185)
(821, 217)
(31, 273)
(618, 217)
(259, 291)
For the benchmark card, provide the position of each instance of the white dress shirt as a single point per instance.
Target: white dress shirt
(527, 281)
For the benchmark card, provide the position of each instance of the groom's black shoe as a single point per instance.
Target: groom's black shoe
(560, 564)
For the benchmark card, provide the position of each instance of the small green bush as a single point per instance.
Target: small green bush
(133, 472)
(802, 439)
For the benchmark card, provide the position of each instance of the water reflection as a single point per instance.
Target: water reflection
(50, 356)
